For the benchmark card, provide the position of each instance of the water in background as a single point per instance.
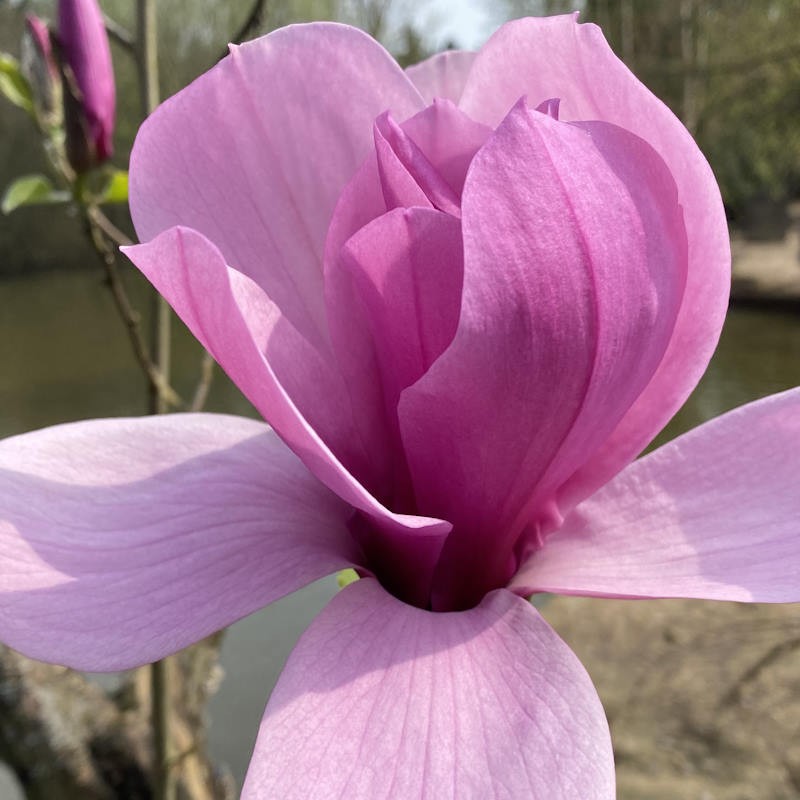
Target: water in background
(65, 356)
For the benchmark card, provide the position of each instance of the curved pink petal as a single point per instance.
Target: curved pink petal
(442, 75)
(405, 271)
(285, 378)
(229, 155)
(397, 287)
(713, 514)
(448, 140)
(380, 700)
(407, 176)
(557, 57)
(124, 540)
(561, 326)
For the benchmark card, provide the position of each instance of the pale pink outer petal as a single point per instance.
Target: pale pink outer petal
(255, 153)
(558, 58)
(713, 514)
(442, 75)
(235, 321)
(124, 540)
(381, 701)
(561, 326)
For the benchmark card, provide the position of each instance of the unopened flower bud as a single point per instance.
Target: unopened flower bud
(89, 97)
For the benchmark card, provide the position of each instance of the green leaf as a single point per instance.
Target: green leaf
(117, 189)
(13, 84)
(31, 190)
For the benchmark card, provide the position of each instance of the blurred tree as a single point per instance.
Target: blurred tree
(192, 37)
(730, 69)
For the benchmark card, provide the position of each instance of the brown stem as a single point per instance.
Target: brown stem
(64, 738)
(130, 316)
(257, 15)
(119, 34)
(108, 227)
(776, 652)
(204, 384)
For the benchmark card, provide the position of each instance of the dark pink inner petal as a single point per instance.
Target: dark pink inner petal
(406, 268)
(393, 281)
(594, 84)
(444, 136)
(407, 177)
(400, 280)
(574, 267)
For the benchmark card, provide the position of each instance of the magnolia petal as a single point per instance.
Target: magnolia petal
(713, 514)
(557, 57)
(407, 177)
(383, 700)
(406, 270)
(238, 329)
(448, 140)
(442, 75)
(228, 155)
(124, 540)
(561, 326)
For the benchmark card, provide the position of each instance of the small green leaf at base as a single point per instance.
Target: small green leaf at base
(31, 190)
(13, 84)
(116, 190)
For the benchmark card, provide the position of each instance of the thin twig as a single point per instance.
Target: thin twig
(147, 66)
(254, 19)
(130, 316)
(121, 35)
(776, 652)
(204, 384)
(109, 228)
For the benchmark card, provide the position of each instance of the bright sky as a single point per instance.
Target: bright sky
(468, 23)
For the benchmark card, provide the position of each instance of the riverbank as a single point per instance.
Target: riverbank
(767, 272)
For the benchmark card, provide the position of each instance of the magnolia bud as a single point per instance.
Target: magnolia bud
(89, 95)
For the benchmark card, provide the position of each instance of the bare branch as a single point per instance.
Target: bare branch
(204, 384)
(256, 17)
(97, 224)
(109, 228)
(64, 737)
(121, 35)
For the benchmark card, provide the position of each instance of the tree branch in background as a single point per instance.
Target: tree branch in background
(130, 316)
(65, 737)
(102, 233)
(204, 384)
(253, 21)
(119, 34)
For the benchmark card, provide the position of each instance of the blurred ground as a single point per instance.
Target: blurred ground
(768, 270)
(703, 698)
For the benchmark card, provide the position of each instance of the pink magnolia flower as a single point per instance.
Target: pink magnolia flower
(86, 53)
(465, 297)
